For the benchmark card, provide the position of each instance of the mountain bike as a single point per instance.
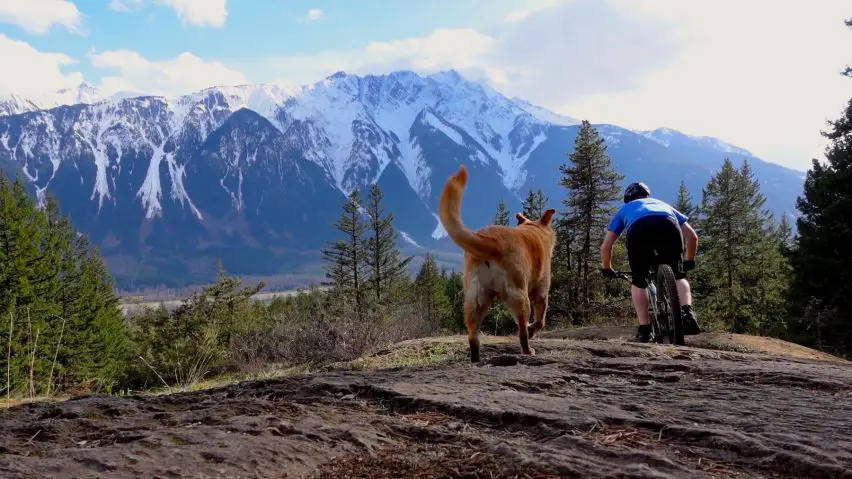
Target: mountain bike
(663, 304)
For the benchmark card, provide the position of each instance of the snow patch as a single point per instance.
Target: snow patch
(545, 115)
(408, 239)
(439, 231)
(151, 190)
(82, 94)
(177, 174)
(438, 124)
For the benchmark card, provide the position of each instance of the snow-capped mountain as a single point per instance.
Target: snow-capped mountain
(82, 94)
(255, 174)
(667, 137)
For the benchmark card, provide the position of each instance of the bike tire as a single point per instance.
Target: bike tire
(667, 292)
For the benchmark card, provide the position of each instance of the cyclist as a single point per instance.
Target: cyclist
(652, 225)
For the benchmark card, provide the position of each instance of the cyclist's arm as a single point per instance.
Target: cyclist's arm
(691, 238)
(606, 249)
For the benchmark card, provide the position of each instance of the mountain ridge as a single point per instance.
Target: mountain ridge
(141, 173)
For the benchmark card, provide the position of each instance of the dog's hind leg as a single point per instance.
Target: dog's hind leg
(519, 305)
(475, 309)
(539, 303)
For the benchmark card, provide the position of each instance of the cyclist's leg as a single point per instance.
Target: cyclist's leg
(684, 292)
(671, 250)
(669, 244)
(640, 254)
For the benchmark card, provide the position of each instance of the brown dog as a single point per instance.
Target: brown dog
(509, 264)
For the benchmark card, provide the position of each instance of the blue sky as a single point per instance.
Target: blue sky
(253, 28)
(761, 74)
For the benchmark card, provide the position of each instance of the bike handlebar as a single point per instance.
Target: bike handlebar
(623, 274)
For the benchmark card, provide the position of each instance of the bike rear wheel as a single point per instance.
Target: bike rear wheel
(670, 300)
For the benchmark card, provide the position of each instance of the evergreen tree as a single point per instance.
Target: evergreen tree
(348, 266)
(684, 202)
(60, 337)
(386, 264)
(593, 185)
(501, 218)
(535, 204)
(100, 313)
(430, 293)
(822, 260)
(454, 291)
(742, 275)
(563, 288)
(784, 234)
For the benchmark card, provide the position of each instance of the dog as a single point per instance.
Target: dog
(500, 262)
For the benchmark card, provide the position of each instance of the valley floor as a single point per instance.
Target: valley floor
(580, 408)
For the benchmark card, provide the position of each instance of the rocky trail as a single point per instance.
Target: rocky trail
(580, 408)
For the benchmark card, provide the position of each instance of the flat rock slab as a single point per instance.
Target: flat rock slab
(577, 409)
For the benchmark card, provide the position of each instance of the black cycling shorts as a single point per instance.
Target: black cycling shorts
(658, 234)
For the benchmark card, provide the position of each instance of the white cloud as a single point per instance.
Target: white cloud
(531, 6)
(313, 15)
(461, 49)
(35, 72)
(559, 51)
(443, 48)
(762, 75)
(199, 12)
(125, 5)
(37, 16)
(183, 74)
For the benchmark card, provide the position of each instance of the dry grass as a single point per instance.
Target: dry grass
(644, 439)
(757, 344)
(444, 350)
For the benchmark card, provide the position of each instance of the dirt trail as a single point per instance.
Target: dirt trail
(577, 409)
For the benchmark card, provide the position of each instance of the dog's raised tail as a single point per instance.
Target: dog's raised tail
(450, 214)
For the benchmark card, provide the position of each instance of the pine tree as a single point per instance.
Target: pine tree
(684, 202)
(501, 218)
(348, 266)
(454, 291)
(822, 260)
(563, 288)
(593, 185)
(430, 292)
(783, 233)
(535, 204)
(386, 264)
(101, 312)
(60, 336)
(742, 272)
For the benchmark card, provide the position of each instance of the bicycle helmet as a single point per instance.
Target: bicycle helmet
(634, 191)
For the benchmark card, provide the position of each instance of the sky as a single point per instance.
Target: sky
(761, 74)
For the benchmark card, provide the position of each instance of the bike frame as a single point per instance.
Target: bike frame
(653, 302)
(651, 292)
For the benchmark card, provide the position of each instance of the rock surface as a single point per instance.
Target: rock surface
(577, 409)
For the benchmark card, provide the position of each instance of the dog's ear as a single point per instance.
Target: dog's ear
(521, 218)
(547, 217)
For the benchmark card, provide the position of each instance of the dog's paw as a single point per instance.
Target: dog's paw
(534, 328)
(530, 353)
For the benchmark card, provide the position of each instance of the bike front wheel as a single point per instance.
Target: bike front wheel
(670, 300)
